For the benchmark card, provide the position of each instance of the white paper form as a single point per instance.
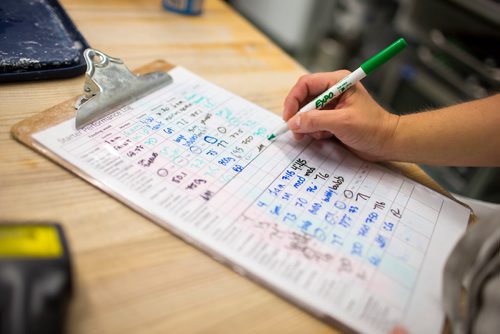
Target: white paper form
(346, 239)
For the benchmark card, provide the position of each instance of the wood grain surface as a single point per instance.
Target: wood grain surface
(131, 276)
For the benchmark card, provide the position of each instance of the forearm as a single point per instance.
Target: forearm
(466, 134)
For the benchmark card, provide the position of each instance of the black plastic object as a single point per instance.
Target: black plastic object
(35, 279)
(38, 41)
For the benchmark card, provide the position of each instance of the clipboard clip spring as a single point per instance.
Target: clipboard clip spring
(110, 85)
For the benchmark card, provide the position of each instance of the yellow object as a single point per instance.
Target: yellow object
(30, 241)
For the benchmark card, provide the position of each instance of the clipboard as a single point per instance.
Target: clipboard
(24, 130)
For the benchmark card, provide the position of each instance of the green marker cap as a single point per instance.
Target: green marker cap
(383, 56)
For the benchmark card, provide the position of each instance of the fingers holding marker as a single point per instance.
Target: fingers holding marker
(304, 95)
(308, 87)
(315, 121)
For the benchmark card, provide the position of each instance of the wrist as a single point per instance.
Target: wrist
(389, 145)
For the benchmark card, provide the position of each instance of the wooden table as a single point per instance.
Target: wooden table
(131, 275)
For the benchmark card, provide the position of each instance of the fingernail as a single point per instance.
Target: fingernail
(294, 123)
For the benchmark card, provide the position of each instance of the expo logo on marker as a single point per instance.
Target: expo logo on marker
(323, 100)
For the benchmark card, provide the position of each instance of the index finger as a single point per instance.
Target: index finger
(307, 88)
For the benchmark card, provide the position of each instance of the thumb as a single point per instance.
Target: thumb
(315, 120)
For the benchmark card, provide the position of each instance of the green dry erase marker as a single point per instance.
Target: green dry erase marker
(366, 68)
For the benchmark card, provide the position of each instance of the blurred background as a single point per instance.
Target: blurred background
(453, 56)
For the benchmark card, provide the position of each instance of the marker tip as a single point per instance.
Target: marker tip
(271, 137)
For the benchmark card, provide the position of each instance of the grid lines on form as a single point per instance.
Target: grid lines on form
(349, 238)
(248, 184)
(195, 130)
(381, 233)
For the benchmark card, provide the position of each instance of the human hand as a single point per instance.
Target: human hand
(354, 117)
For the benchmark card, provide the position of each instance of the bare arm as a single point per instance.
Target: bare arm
(466, 134)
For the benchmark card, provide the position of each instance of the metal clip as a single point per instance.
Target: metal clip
(109, 85)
